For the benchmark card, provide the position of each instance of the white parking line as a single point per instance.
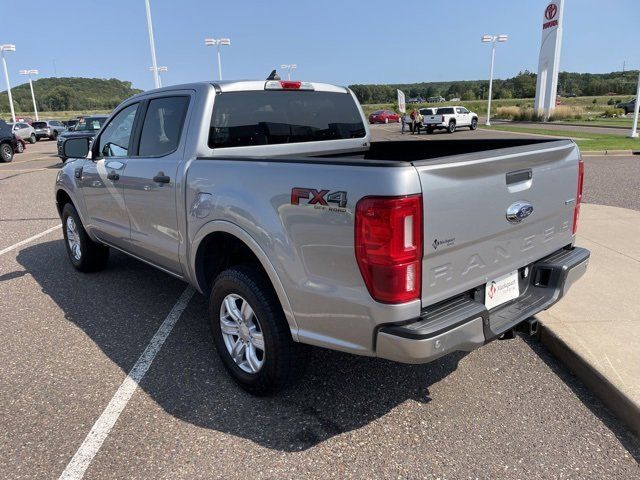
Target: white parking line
(28, 240)
(100, 430)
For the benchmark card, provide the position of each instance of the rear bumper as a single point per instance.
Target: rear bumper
(463, 323)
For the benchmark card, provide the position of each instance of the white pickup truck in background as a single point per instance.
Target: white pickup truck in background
(450, 118)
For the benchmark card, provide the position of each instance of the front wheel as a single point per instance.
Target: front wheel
(6, 152)
(85, 254)
(251, 333)
(474, 124)
(32, 138)
(452, 127)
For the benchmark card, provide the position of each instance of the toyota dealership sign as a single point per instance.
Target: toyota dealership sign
(549, 62)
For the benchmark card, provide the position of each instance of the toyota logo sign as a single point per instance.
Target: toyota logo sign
(551, 11)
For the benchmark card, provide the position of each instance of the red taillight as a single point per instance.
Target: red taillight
(576, 211)
(290, 85)
(388, 244)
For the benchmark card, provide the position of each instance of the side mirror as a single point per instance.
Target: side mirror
(75, 148)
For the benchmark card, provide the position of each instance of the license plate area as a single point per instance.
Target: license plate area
(501, 290)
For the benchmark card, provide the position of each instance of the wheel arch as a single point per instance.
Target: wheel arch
(219, 245)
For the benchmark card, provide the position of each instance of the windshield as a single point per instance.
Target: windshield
(89, 124)
(274, 117)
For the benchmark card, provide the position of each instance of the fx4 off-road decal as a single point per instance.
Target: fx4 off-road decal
(321, 199)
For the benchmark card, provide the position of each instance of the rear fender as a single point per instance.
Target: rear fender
(232, 229)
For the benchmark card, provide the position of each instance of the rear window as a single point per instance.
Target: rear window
(39, 124)
(444, 111)
(243, 119)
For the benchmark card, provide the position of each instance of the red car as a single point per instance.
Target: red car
(384, 116)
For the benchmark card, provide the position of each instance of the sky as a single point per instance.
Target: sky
(342, 42)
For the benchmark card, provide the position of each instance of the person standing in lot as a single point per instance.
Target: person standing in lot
(405, 119)
(413, 116)
(419, 119)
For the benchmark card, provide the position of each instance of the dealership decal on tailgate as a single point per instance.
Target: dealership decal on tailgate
(501, 290)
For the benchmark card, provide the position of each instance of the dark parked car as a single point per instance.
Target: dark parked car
(48, 129)
(88, 127)
(70, 124)
(628, 107)
(8, 142)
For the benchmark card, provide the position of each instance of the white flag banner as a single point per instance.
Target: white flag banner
(402, 106)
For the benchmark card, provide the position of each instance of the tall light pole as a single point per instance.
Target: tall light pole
(33, 96)
(634, 129)
(492, 39)
(216, 42)
(289, 68)
(160, 69)
(7, 47)
(152, 45)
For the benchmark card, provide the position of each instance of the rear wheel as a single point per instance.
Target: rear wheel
(85, 254)
(6, 152)
(20, 147)
(474, 124)
(251, 333)
(452, 127)
(32, 138)
(429, 130)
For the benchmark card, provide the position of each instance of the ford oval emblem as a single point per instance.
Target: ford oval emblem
(519, 211)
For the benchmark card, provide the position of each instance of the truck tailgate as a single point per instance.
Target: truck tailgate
(431, 119)
(468, 240)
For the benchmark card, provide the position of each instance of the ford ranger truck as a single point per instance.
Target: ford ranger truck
(270, 198)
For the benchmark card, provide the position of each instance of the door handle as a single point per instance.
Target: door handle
(161, 178)
(113, 176)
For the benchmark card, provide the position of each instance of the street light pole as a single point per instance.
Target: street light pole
(33, 96)
(8, 48)
(289, 69)
(493, 39)
(160, 69)
(634, 129)
(217, 42)
(152, 45)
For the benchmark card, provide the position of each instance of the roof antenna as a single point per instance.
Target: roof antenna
(273, 76)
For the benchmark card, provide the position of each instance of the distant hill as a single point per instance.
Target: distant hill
(522, 85)
(71, 93)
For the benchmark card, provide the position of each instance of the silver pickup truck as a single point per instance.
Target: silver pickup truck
(270, 198)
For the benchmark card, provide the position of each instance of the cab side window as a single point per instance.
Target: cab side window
(114, 141)
(162, 126)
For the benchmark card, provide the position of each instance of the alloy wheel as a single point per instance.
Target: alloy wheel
(242, 333)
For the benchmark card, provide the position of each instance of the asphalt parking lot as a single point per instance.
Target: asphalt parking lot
(68, 340)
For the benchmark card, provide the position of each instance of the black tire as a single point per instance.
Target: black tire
(474, 124)
(64, 159)
(283, 359)
(429, 131)
(55, 135)
(93, 256)
(452, 126)
(6, 152)
(19, 148)
(33, 139)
